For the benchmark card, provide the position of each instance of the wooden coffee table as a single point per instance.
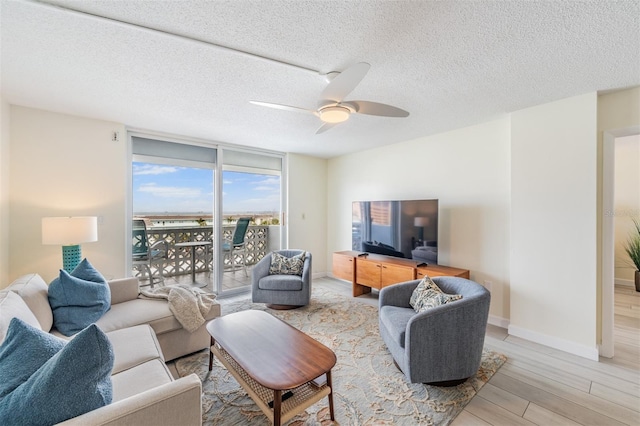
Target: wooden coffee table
(273, 361)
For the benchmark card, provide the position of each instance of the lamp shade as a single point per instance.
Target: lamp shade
(421, 221)
(68, 231)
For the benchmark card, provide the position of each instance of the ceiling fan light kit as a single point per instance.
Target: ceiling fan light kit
(331, 108)
(334, 114)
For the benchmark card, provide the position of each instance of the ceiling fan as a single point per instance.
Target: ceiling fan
(332, 110)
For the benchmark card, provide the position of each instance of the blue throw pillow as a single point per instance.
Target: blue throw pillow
(24, 350)
(74, 381)
(78, 299)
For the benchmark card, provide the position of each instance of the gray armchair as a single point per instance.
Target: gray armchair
(281, 291)
(441, 346)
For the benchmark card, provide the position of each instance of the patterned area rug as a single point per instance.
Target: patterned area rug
(368, 388)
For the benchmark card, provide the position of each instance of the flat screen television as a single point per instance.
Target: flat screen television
(400, 228)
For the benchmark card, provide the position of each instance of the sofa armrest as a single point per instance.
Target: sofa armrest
(175, 403)
(123, 289)
(397, 294)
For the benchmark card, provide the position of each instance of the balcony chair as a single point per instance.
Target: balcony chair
(281, 291)
(442, 345)
(237, 244)
(146, 255)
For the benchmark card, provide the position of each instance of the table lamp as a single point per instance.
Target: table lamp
(70, 232)
(420, 223)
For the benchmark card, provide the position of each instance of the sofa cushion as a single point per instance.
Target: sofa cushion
(428, 295)
(12, 306)
(128, 355)
(74, 381)
(78, 299)
(395, 319)
(33, 291)
(140, 378)
(280, 282)
(282, 265)
(156, 313)
(25, 349)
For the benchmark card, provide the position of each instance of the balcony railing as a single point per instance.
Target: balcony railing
(178, 260)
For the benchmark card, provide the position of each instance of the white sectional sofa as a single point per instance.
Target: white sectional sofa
(144, 334)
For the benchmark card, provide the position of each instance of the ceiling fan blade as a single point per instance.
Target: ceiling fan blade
(375, 108)
(284, 107)
(345, 82)
(325, 127)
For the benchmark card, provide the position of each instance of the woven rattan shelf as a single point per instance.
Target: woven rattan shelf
(303, 396)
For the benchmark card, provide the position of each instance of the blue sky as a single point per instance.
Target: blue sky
(159, 188)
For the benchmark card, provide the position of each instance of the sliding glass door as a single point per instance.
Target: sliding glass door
(251, 188)
(173, 193)
(194, 198)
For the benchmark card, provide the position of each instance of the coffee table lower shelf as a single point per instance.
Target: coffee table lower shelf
(303, 397)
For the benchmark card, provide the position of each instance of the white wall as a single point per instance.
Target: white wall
(5, 139)
(64, 165)
(307, 206)
(466, 169)
(553, 224)
(626, 202)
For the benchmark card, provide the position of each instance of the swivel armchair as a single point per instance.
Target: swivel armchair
(441, 346)
(281, 291)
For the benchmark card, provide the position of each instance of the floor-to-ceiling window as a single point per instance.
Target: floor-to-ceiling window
(251, 188)
(173, 192)
(191, 195)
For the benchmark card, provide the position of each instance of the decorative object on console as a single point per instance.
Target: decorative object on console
(281, 291)
(69, 232)
(632, 247)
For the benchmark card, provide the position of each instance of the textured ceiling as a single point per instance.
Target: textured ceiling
(450, 64)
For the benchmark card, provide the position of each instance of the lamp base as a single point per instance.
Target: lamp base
(71, 256)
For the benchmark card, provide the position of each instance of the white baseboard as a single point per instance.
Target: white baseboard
(626, 283)
(555, 342)
(498, 321)
(315, 275)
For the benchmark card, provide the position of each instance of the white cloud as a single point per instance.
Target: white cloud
(153, 169)
(268, 181)
(171, 191)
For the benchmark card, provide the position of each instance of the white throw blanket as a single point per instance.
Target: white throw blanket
(188, 304)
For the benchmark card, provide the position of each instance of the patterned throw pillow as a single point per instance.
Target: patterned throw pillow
(428, 295)
(282, 265)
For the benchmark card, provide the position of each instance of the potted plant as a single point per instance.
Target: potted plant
(632, 247)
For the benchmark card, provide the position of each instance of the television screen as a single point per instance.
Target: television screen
(402, 228)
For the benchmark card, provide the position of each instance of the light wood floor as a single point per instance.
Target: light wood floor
(539, 385)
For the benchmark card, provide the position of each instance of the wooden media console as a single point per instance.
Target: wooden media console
(378, 271)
